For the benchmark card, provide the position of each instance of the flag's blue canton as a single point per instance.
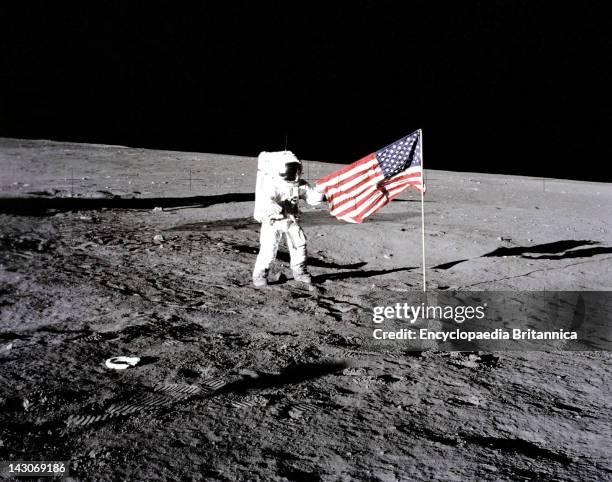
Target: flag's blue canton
(400, 155)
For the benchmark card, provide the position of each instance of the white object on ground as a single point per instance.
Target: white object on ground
(122, 362)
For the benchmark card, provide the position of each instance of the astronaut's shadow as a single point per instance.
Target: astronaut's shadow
(358, 274)
(283, 256)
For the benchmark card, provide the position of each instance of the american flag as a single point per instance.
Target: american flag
(362, 188)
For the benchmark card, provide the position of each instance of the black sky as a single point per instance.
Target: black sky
(498, 86)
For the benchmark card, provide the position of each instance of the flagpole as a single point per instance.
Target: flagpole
(422, 209)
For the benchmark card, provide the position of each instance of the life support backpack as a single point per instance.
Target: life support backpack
(269, 167)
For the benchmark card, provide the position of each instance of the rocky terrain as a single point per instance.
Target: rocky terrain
(111, 251)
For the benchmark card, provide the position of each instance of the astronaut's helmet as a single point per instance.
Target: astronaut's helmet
(291, 172)
(281, 166)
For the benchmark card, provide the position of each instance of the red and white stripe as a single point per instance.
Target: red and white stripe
(360, 189)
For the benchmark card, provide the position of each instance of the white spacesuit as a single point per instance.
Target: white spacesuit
(279, 189)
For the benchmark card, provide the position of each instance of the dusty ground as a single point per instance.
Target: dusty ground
(240, 384)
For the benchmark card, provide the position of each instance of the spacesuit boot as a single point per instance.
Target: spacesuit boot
(260, 279)
(302, 275)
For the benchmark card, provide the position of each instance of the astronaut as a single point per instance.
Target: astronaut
(279, 189)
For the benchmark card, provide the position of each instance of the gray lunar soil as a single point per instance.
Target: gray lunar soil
(109, 251)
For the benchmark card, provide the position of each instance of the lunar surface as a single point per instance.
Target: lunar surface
(109, 251)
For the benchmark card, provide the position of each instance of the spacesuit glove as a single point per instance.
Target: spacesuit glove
(314, 195)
